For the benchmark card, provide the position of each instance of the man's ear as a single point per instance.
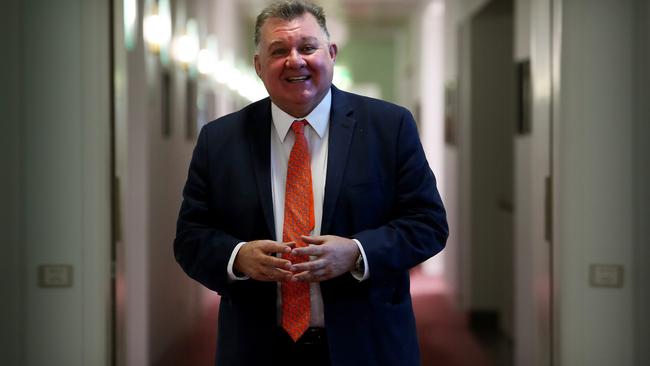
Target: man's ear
(333, 50)
(258, 66)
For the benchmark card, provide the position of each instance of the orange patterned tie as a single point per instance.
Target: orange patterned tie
(298, 220)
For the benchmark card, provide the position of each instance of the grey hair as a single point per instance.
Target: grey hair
(289, 10)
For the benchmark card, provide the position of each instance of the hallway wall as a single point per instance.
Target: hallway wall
(482, 149)
(56, 79)
(595, 180)
(367, 56)
(642, 181)
(456, 187)
(491, 157)
(533, 246)
(12, 260)
(158, 304)
(428, 55)
(589, 75)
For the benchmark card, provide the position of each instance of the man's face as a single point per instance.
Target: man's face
(296, 62)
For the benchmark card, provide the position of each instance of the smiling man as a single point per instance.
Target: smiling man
(305, 211)
(295, 60)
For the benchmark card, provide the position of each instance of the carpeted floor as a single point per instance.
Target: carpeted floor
(445, 339)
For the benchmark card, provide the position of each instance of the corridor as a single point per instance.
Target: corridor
(533, 116)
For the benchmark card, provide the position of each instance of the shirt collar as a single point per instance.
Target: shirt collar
(318, 118)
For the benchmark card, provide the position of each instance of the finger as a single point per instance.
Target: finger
(273, 247)
(321, 274)
(276, 262)
(276, 274)
(308, 276)
(290, 244)
(303, 277)
(313, 239)
(315, 250)
(310, 266)
(282, 275)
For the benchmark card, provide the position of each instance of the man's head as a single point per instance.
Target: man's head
(294, 56)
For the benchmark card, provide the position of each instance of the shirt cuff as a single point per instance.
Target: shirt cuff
(231, 273)
(366, 271)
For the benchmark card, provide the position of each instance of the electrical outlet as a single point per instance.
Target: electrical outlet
(55, 275)
(606, 275)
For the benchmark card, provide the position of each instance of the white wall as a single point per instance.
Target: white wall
(642, 182)
(532, 259)
(492, 124)
(457, 175)
(158, 304)
(431, 91)
(59, 150)
(595, 179)
(591, 83)
(481, 160)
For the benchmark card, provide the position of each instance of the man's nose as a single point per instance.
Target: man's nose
(294, 60)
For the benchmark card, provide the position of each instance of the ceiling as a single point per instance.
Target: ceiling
(379, 11)
(368, 11)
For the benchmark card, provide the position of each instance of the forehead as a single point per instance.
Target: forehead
(277, 29)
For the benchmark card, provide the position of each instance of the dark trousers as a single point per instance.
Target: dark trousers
(310, 349)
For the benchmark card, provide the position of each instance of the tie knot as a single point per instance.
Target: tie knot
(298, 126)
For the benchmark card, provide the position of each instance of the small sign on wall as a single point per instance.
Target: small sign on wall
(606, 275)
(54, 275)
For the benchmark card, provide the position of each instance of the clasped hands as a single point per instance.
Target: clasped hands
(330, 255)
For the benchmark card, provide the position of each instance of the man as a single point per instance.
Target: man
(306, 210)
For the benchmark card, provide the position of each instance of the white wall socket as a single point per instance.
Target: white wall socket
(55, 275)
(606, 275)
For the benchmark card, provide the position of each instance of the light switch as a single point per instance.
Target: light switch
(55, 275)
(606, 275)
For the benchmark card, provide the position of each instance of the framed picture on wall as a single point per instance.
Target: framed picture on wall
(165, 103)
(524, 95)
(451, 119)
(191, 113)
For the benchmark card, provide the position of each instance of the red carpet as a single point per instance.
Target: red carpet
(445, 339)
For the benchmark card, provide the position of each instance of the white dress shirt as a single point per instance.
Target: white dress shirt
(316, 133)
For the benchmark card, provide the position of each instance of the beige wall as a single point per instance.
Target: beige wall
(589, 76)
(642, 182)
(533, 166)
(12, 261)
(595, 180)
(58, 162)
(158, 304)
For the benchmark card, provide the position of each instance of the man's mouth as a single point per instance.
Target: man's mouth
(298, 79)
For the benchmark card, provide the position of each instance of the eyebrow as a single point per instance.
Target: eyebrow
(303, 39)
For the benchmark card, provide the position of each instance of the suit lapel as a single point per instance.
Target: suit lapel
(341, 130)
(260, 138)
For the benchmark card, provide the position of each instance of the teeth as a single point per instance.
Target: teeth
(297, 78)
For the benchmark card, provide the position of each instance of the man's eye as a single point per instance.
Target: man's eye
(308, 49)
(278, 52)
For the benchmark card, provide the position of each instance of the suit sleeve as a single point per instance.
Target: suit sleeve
(417, 228)
(201, 248)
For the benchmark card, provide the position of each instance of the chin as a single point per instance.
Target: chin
(304, 98)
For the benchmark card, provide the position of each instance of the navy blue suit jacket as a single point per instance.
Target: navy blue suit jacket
(379, 190)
